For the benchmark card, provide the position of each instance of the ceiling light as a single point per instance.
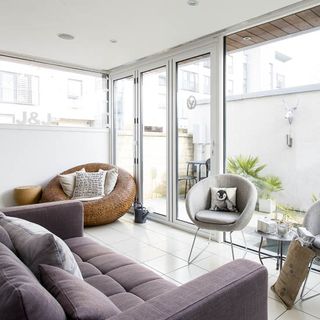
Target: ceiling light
(65, 36)
(113, 41)
(247, 38)
(192, 3)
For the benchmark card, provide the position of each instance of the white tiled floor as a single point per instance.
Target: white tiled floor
(165, 250)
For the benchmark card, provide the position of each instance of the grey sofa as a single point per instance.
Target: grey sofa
(236, 291)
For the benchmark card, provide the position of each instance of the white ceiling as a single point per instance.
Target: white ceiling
(142, 27)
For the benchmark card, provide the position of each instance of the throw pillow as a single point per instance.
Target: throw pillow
(80, 300)
(89, 185)
(224, 199)
(21, 295)
(35, 245)
(111, 180)
(5, 239)
(67, 182)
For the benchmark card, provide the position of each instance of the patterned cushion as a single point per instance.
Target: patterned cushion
(89, 185)
(224, 199)
(79, 300)
(35, 245)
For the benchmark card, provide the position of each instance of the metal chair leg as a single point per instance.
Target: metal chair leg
(193, 242)
(245, 244)
(231, 242)
(185, 188)
(302, 294)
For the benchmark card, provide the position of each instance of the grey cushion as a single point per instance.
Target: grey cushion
(111, 180)
(67, 182)
(217, 217)
(5, 239)
(80, 300)
(35, 245)
(21, 295)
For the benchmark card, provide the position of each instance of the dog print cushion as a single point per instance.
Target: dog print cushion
(224, 199)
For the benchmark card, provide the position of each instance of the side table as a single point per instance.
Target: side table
(280, 241)
(27, 194)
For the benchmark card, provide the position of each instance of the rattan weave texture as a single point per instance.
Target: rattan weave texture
(102, 211)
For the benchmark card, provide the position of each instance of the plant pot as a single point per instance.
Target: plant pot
(267, 205)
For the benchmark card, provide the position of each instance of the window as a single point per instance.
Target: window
(34, 94)
(271, 75)
(206, 63)
(229, 64)
(284, 63)
(18, 88)
(74, 89)
(245, 77)
(162, 100)
(280, 81)
(206, 85)
(230, 87)
(189, 81)
(280, 115)
(162, 80)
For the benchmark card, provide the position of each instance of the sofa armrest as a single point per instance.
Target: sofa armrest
(236, 291)
(63, 218)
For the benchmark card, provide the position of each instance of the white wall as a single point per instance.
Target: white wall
(34, 155)
(257, 127)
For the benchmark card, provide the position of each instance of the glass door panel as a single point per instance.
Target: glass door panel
(154, 143)
(124, 123)
(193, 126)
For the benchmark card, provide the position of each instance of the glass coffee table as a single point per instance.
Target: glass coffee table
(281, 240)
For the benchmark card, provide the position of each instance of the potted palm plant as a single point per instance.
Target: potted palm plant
(269, 185)
(246, 166)
(251, 168)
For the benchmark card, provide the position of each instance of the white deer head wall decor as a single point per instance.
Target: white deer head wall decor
(289, 115)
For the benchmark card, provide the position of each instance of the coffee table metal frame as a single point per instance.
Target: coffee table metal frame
(280, 241)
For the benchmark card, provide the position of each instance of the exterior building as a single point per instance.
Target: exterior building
(34, 95)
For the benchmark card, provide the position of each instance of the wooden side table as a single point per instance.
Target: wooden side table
(27, 194)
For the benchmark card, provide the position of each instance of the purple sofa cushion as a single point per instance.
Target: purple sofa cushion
(5, 239)
(80, 300)
(21, 295)
(125, 282)
(36, 245)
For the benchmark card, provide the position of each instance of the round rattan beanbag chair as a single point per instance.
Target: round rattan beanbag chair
(102, 211)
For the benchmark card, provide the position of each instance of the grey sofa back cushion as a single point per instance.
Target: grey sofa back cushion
(35, 245)
(80, 300)
(21, 295)
(5, 239)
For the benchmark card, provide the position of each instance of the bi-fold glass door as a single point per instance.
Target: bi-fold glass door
(154, 139)
(123, 123)
(162, 117)
(140, 133)
(193, 131)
